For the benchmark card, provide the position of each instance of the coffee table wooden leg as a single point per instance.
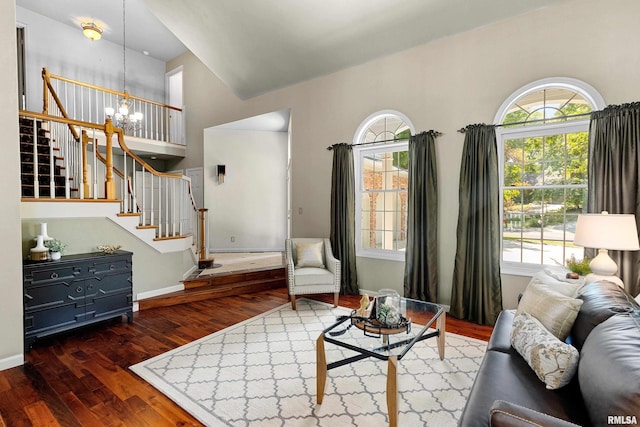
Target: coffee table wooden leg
(392, 391)
(441, 325)
(321, 368)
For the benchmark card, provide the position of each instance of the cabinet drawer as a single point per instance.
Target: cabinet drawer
(53, 295)
(112, 265)
(51, 274)
(50, 318)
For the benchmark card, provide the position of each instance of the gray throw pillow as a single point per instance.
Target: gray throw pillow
(309, 255)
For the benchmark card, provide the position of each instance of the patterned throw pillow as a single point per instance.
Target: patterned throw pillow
(556, 312)
(553, 361)
(309, 255)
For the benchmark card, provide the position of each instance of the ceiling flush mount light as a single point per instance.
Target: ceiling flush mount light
(91, 30)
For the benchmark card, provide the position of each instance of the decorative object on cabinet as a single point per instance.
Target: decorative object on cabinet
(56, 247)
(40, 252)
(108, 249)
(77, 290)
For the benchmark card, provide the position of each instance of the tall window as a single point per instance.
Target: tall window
(544, 153)
(381, 187)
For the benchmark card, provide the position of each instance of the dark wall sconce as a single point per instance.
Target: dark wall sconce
(222, 170)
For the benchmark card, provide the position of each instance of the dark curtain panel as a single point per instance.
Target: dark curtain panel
(421, 257)
(614, 181)
(343, 209)
(477, 291)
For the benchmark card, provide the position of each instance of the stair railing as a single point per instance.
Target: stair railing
(162, 201)
(84, 102)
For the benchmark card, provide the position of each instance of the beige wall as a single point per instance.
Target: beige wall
(443, 85)
(11, 335)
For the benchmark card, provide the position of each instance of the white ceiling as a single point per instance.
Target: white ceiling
(144, 31)
(256, 46)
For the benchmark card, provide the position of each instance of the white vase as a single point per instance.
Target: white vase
(40, 252)
(43, 231)
(55, 255)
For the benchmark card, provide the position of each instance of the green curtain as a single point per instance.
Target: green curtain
(343, 209)
(477, 291)
(421, 256)
(614, 180)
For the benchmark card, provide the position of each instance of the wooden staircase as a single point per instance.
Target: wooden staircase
(40, 158)
(220, 285)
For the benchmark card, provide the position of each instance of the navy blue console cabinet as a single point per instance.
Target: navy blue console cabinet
(74, 291)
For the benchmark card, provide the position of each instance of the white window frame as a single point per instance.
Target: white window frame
(359, 153)
(507, 133)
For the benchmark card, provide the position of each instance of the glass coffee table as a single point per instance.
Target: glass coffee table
(370, 339)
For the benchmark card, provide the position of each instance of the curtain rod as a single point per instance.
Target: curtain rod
(463, 130)
(434, 133)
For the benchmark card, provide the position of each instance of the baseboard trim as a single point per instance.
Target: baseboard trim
(191, 270)
(11, 362)
(158, 292)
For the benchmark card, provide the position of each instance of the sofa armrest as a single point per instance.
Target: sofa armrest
(507, 414)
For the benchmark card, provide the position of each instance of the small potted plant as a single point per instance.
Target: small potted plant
(578, 267)
(56, 247)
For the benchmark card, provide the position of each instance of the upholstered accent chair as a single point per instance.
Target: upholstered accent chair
(311, 268)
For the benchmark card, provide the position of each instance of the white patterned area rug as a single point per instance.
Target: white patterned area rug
(262, 372)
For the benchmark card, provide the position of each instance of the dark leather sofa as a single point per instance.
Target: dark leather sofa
(507, 392)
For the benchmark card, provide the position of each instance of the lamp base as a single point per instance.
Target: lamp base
(602, 264)
(598, 277)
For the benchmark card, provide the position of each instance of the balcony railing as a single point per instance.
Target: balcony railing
(87, 103)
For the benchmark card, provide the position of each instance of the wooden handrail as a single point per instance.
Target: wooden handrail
(72, 122)
(47, 82)
(124, 94)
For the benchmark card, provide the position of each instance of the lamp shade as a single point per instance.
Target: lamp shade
(607, 231)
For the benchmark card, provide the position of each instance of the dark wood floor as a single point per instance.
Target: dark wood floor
(82, 378)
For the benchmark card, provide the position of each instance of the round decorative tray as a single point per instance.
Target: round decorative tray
(374, 326)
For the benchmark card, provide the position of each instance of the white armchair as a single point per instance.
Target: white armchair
(311, 268)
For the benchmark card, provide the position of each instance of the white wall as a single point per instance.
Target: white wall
(443, 85)
(66, 52)
(251, 204)
(11, 330)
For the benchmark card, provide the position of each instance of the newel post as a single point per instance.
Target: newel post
(85, 181)
(45, 91)
(109, 184)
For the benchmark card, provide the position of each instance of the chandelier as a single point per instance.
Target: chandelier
(124, 117)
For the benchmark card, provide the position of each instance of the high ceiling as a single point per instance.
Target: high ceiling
(256, 46)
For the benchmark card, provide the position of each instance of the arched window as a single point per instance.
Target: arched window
(543, 146)
(381, 188)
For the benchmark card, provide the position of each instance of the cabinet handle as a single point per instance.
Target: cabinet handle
(112, 267)
(79, 289)
(54, 275)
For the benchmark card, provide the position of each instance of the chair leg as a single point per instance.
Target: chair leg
(336, 296)
(293, 302)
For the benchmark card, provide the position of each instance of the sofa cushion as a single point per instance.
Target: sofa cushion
(609, 371)
(310, 276)
(309, 254)
(601, 301)
(555, 311)
(555, 280)
(553, 361)
(505, 377)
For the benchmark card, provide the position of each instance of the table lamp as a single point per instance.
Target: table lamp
(606, 232)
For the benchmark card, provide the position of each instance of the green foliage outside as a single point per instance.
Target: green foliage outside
(550, 160)
(401, 158)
